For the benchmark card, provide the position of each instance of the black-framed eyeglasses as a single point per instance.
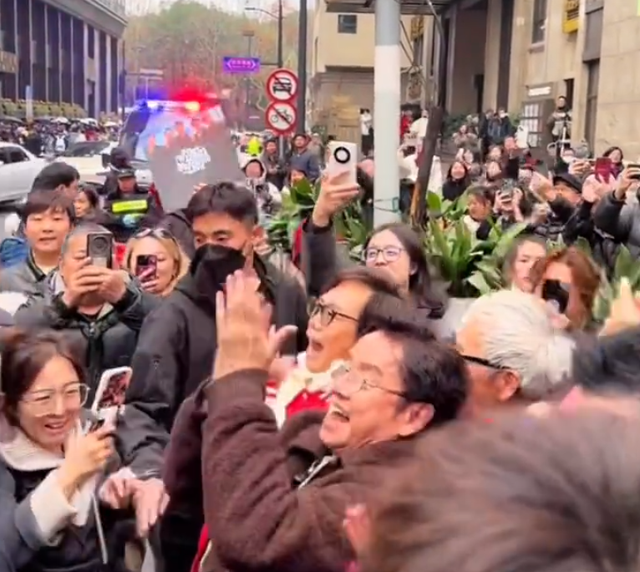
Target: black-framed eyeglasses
(346, 382)
(389, 253)
(483, 362)
(327, 314)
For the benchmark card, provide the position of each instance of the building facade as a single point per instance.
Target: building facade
(536, 50)
(62, 51)
(342, 58)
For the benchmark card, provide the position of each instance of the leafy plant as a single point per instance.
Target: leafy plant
(470, 267)
(626, 266)
(298, 205)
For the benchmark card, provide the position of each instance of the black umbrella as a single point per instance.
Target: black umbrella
(10, 119)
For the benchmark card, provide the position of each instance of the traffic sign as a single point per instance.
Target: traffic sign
(282, 85)
(240, 65)
(281, 117)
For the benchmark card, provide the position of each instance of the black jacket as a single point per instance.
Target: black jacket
(108, 341)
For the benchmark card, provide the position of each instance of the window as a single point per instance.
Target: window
(347, 24)
(568, 91)
(532, 120)
(591, 109)
(14, 155)
(418, 51)
(539, 21)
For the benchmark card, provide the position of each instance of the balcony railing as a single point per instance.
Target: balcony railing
(117, 6)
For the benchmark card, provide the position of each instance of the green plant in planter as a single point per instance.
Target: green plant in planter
(470, 267)
(298, 205)
(626, 266)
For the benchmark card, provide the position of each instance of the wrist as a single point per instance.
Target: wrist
(320, 220)
(65, 302)
(69, 481)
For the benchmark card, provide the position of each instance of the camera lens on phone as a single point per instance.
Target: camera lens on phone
(100, 245)
(342, 155)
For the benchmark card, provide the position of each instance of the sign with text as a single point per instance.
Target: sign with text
(240, 65)
(186, 147)
(570, 16)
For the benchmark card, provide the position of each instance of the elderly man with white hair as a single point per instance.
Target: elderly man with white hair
(512, 349)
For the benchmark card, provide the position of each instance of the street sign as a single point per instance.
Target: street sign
(240, 65)
(282, 85)
(281, 117)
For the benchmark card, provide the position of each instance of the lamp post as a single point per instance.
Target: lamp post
(279, 48)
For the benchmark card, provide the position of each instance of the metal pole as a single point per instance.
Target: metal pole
(280, 64)
(302, 67)
(123, 79)
(386, 111)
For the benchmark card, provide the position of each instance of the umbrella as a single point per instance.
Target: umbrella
(9, 119)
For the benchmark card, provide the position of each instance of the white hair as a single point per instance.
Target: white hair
(518, 334)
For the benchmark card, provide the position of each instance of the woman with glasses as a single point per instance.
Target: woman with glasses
(49, 466)
(157, 260)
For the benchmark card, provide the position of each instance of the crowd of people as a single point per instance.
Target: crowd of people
(325, 417)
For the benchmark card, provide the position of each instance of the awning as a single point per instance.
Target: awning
(408, 7)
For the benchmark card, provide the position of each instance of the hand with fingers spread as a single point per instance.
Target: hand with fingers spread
(336, 192)
(244, 340)
(624, 313)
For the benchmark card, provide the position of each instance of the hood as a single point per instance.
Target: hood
(263, 169)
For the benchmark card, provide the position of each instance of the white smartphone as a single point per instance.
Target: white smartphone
(110, 396)
(342, 157)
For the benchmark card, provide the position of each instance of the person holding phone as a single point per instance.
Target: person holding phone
(568, 281)
(48, 515)
(98, 305)
(618, 217)
(157, 260)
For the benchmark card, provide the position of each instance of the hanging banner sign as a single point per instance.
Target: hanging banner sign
(570, 16)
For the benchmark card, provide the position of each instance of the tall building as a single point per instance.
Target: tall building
(342, 56)
(62, 51)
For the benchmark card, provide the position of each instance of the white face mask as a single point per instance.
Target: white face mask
(568, 159)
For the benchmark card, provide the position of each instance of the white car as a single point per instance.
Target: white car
(18, 170)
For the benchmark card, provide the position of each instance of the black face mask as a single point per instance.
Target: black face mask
(212, 264)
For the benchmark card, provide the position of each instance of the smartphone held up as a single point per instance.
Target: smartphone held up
(109, 399)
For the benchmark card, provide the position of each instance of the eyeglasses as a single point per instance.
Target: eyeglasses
(74, 395)
(346, 382)
(389, 253)
(481, 361)
(328, 315)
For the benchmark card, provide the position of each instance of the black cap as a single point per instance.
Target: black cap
(570, 180)
(126, 173)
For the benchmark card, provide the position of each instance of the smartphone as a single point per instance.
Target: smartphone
(109, 397)
(603, 169)
(342, 157)
(100, 249)
(634, 166)
(144, 264)
(557, 294)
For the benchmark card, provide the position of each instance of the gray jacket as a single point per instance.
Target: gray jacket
(620, 220)
(25, 278)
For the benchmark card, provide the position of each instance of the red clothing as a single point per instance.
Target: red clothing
(405, 125)
(304, 401)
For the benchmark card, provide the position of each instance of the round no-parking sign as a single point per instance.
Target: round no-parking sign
(282, 85)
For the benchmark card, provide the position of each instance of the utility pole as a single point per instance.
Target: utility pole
(302, 66)
(247, 81)
(280, 64)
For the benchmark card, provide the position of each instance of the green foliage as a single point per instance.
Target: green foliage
(626, 266)
(470, 267)
(298, 205)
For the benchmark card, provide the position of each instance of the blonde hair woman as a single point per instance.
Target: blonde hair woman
(156, 259)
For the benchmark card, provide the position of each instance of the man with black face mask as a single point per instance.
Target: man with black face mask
(177, 344)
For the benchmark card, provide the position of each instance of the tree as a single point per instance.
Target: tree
(187, 41)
